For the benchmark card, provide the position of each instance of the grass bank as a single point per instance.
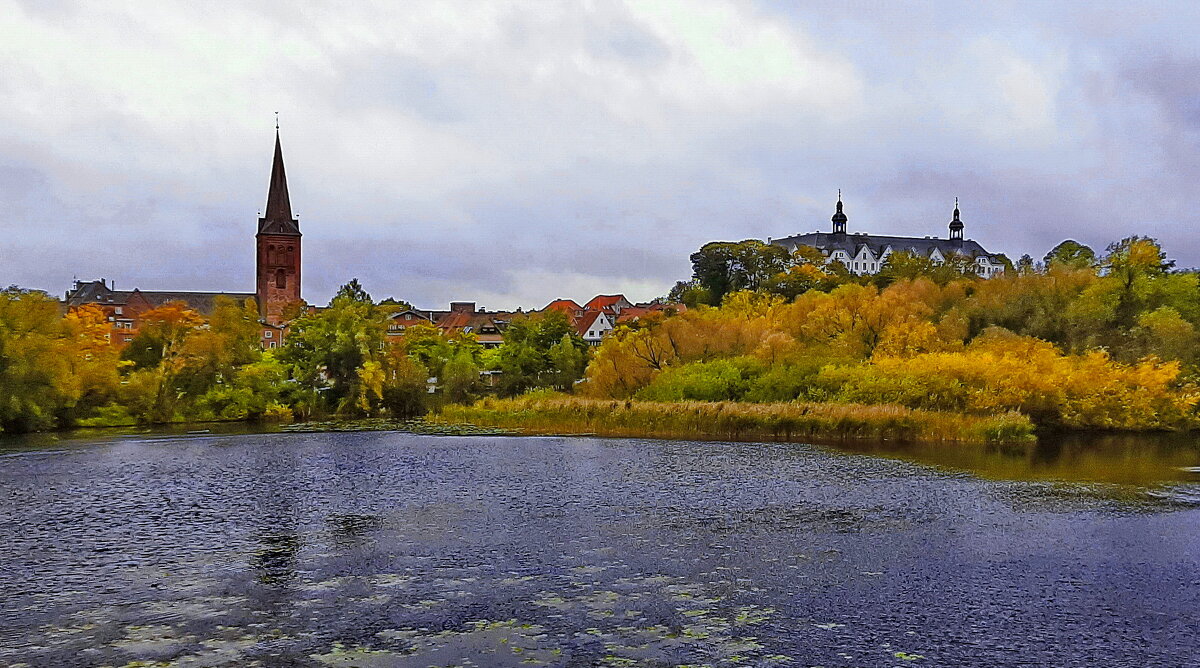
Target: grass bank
(726, 420)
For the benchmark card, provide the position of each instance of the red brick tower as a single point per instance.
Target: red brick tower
(278, 241)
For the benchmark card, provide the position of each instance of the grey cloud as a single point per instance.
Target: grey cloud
(435, 161)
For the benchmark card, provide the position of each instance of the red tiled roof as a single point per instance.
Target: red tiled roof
(458, 321)
(634, 312)
(605, 301)
(567, 306)
(454, 320)
(582, 325)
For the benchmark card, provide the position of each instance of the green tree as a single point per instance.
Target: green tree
(689, 293)
(329, 352)
(524, 358)
(568, 359)
(405, 386)
(251, 392)
(721, 267)
(1070, 253)
(353, 291)
(460, 378)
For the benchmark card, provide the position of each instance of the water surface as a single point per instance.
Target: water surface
(390, 549)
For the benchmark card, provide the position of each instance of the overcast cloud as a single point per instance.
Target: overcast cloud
(511, 153)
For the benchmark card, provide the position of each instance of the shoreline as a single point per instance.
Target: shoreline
(734, 421)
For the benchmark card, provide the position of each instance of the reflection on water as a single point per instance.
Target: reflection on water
(1118, 458)
(275, 559)
(351, 528)
(389, 549)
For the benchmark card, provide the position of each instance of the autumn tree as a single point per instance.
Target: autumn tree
(151, 390)
(92, 377)
(229, 340)
(32, 364)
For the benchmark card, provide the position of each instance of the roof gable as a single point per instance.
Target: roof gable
(608, 302)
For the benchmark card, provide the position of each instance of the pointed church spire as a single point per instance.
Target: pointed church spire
(277, 218)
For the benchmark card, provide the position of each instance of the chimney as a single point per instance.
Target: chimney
(462, 307)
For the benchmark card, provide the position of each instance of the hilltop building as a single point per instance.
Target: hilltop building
(277, 275)
(865, 253)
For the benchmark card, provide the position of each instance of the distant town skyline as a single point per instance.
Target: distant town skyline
(512, 155)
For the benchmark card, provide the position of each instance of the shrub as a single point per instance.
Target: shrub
(718, 380)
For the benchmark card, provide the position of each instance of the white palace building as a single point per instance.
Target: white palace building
(865, 253)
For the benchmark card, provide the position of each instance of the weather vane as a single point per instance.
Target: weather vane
(277, 120)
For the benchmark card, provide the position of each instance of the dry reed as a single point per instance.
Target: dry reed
(725, 420)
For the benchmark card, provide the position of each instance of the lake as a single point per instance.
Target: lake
(379, 549)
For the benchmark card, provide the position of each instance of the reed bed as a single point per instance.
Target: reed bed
(726, 420)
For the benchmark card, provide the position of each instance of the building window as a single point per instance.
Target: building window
(281, 279)
(267, 334)
(273, 344)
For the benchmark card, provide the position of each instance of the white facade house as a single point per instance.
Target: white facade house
(866, 253)
(593, 326)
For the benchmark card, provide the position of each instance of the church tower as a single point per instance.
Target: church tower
(839, 218)
(956, 225)
(278, 244)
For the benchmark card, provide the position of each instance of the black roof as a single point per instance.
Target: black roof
(277, 218)
(98, 292)
(204, 302)
(851, 243)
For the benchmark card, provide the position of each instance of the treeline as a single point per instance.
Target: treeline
(59, 369)
(1076, 340)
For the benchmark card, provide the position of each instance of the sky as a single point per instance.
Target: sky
(510, 153)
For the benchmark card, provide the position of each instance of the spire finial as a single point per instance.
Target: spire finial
(277, 121)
